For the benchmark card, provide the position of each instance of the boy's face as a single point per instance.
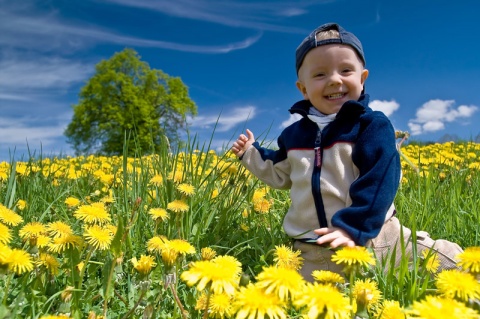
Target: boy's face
(330, 75)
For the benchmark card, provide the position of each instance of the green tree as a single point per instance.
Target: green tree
(127, 98)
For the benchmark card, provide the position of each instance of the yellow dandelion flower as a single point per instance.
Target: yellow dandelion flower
(366, 293)
(94, 213)
(62, 243)
(390, 309)
(454, 283)
(55, 317)
(186, 189)
(221, 306)
(21, 204)
(58, 229)
(99, 237)
(158, 214)
(252, 302)
(111, 228)
(285, 257)
(144, 265)
(214, 194)
(317, 300)
(49, 262)
(157, 243)
(43, 241)
(351, 256)
(469, 260)
(19, 261)
(5, 234)
(156, 180)
(222, 273)
(284, 282)
(169, 256)
(32, 229)
(178, 206)
(9, 217)
(202, 300)
(432, 262)
(4, 253)
(262, 205)
(327, 277)
(208, 253)
(183, 247)
(176, 176)
(434, 307)
(259, 194)
(72, 202)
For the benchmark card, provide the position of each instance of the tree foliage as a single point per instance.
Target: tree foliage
(125, 97)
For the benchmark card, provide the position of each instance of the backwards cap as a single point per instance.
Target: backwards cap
(311, 42)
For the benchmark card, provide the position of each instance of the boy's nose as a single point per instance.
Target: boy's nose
(335, 79)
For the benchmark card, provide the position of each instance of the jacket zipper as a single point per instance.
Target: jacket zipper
(317, 195)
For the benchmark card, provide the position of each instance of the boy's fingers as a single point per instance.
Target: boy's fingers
(250, 135)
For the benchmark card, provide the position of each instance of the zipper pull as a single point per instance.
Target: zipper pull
(318, 151)
(318, 157)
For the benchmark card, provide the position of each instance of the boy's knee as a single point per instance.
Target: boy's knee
(445, 250)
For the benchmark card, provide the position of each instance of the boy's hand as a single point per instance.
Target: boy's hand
(243, 143)
(334, 236)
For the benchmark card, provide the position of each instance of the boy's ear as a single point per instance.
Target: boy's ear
(364, 75)
(302, 89)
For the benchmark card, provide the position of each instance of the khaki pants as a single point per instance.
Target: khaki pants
(388, 240)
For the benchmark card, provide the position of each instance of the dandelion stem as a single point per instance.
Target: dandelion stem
(205, 314)
(177, 300)
(7, 286)
(82, 271)
(142, 294)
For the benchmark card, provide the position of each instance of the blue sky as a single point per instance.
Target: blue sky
(237, 58)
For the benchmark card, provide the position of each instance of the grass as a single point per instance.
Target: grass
(227, 210)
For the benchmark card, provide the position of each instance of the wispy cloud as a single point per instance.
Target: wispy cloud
(433, 115)
(224, 121)
(387, 107)
(48, 31)
(251, 15)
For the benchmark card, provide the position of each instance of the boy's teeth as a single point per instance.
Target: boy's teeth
(335, 96)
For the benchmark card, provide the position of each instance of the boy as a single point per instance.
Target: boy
(340, 161)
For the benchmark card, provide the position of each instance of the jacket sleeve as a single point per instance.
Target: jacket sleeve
(270, 166)
(372, 193)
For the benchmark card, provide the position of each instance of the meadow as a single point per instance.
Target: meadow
(191, 234)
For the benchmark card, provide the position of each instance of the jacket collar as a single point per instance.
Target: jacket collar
(349, 109)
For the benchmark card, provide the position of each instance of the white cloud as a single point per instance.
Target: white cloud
(29, 73)
(20, 131)
(387, 107)
(433, 115)
(226, 120)
(292, 119)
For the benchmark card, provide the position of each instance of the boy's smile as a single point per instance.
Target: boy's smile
(330, 75)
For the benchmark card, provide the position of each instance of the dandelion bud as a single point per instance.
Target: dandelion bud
(66, 295)
(244, 280)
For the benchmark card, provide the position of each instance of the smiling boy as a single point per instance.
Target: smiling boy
(340, 160)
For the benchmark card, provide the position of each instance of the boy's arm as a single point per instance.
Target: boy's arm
(270, 166)
(372, 194)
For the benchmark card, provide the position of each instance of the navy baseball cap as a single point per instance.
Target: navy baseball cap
(311, 42)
